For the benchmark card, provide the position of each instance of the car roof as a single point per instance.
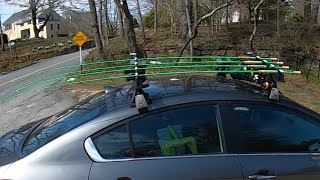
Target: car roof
(160, 88)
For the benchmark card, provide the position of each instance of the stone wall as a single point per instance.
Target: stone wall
(211, 51)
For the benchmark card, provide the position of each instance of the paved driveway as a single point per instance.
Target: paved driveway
(34, 106)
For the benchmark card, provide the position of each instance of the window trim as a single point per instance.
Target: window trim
(127, 121)
(242, 150)
(94, 155)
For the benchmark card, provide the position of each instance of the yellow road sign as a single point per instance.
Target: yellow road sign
(80, 38)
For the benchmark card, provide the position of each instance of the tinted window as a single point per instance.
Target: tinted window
(114, 143)
(192, 130)
(65, 121)
(269, 129)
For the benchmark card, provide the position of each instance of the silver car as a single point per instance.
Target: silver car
(195, 128)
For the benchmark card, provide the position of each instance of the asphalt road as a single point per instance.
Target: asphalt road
(36, 105)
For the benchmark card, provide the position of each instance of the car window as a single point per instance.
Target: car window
(271, 129)
(114, 143)
(65, 121)
(191, 130)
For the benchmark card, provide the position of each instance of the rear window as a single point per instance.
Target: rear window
(65, 121)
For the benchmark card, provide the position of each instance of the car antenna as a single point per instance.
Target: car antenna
(140, 99)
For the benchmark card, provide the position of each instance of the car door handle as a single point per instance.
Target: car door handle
(256, 177)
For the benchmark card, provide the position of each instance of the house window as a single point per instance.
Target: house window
(51, 35)
(51, 26)
(52, 17)
(58, 26)
(41, 20)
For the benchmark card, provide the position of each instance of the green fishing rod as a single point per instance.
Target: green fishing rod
(61, 76)
(153, 74)
(156, 58)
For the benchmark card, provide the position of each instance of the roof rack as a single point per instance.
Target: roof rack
(264, 71)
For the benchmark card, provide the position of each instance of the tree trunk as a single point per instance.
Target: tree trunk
(156, 18)
(120, 17)
(313, 20)
(96, 33)
(250, 13)
(33, 8)
(189, 27)
(141, 22)
(307, 11)
(240, 14)
(171, 21)
(107, 22)
(316, 12)
(1, 35)
(256, 16)
(133, 46)
(183, 21)
(195, 10)
(278, 19)
(101, 23)
(34, 20)
(211, 20)
(227, 17)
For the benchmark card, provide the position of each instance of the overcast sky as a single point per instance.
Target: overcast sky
(7, 10)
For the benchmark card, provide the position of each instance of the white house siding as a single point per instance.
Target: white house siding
(15, 32)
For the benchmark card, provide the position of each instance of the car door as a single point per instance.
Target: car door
(277, 142)
(181, 142)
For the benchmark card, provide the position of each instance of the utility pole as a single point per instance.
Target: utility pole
(1, 34)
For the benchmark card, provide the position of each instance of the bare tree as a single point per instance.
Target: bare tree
(195, 10)
(183, 20)
(96, 33)
(132, 41)
(278, 18)
(100, 22)
(111, 22)
(307, 11)
(171, 5)
(120, 18)
(156, 16)
(36, 7)
(227, 17)
(1, 35)
(195, 29)
(189, 26)
(256, 16)
(141, 22)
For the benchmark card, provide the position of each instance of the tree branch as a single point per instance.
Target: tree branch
(45, 22)
(195, 29)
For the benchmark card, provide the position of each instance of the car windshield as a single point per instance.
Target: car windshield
(65, 121)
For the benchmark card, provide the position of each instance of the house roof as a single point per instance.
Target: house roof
(23, 16)
(16, 16)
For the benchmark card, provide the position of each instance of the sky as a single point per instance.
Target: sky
(7, 10)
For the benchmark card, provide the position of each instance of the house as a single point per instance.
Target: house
(19, 25)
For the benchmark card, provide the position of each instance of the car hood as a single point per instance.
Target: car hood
(11, 143)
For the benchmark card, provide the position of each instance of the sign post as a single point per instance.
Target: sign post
(80, 39)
